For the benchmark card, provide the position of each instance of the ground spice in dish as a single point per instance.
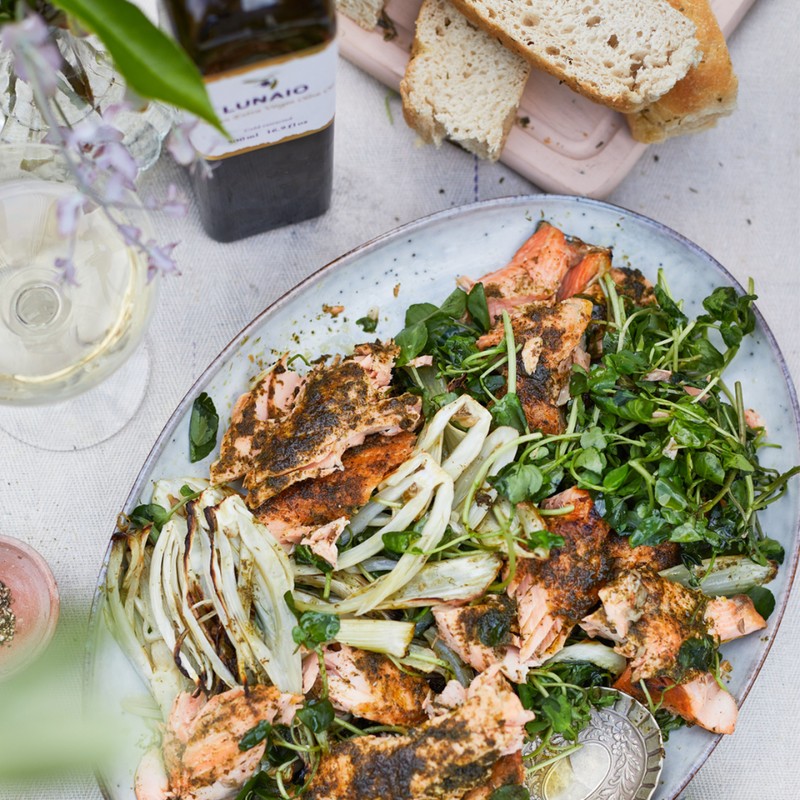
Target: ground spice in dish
(8, 620)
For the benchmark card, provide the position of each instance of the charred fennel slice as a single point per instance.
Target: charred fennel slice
(200, 594)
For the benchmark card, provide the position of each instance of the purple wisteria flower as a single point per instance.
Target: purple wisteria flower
(102, 168)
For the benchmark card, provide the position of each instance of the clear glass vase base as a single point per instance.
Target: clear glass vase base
(85, 420)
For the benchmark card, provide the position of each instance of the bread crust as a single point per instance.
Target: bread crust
(707, 93)
(587, 88)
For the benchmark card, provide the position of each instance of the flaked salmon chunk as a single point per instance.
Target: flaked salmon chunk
(339, 405)
(270, 398)
(545, 598)
(649, 618)
(700, 701)
(370, 686)
(538, 271)
(442, 759)
(200, 747)
(551, 338)
(553, 595)
(308, 505)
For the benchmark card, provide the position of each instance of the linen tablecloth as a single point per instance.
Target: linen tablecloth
(734, 191)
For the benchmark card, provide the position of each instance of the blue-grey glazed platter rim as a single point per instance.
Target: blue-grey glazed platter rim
(580, 204)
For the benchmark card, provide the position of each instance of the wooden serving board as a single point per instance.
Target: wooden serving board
(562, 142)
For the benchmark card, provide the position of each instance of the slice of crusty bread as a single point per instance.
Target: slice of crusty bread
(622, 53)
(461, 83)
(707, 93)
(365, 12)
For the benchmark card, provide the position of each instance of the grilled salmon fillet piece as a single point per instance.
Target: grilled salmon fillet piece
(701, 701)
(553, 595)
(649, 618)
(201, 742)
(549, 266)
(441, 760)
(271, 397)
(551, 338)
(370, 686)
(309, 504)
(656, 557)
(546, 598)
(338, 406)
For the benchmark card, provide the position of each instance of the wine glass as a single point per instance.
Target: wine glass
(67, 344)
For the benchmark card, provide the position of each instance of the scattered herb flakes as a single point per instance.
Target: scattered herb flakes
(369, 322)
(8, 620)
(334, 311)
(203, 427)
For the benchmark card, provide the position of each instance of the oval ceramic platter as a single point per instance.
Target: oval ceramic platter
(419, 262)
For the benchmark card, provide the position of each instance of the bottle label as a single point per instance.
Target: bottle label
(270, 102)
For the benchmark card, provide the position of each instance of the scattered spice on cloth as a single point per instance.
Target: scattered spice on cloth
(8, 620)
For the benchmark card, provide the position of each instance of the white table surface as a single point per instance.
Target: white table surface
(734, 191)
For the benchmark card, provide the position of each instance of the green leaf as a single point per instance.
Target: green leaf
(510, 793)
(508, 411)
(738, 461)
(411, 341)
(517, 482)
(688, 434)
(420, 312)
(558, 711)
(669, 306)
(303, 554)
(455, 305)
(398, 542)
(770, 550)
(709, 467)
(669, 495)
(593, 437)
(151, 513)
(615, 478)
(260, 787)
(544, 540)
(590, 459)
(153, 65)
(689, 531)
(494, 628)
(697, 654)
(478, 308)
(203, 427)
(315, 628)
(255, 735)
(763, 600)
(317, 715)
(626, 362)
(368, 324)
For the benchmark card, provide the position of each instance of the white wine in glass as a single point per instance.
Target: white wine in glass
(59, 339)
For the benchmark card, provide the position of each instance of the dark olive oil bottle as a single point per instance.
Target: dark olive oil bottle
(269, 66)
